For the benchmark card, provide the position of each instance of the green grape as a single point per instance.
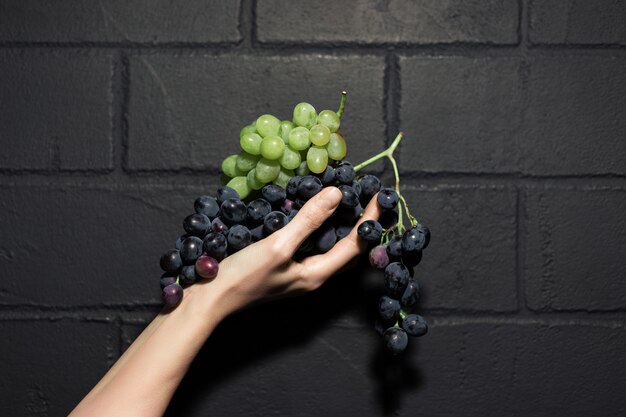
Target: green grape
(267, 125)
(247, 129)
(229, 166)
(304, 115)
(253, 182)
(267, 170)
(285, 127)
(291, 159)
(245, 161)
(320, 135)
(336, 147)
(272, 147)
(317, 159)
(330, 119)
(251, 143)
(283, 177)
(299, 138)
(240, 184)
(303, 169)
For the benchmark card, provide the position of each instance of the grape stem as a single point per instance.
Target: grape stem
(402, 204)
(342, 103)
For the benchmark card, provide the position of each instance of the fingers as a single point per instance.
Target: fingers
(318, 268)
(309, 218)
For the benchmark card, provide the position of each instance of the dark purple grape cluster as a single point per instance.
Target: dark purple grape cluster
(397, 252)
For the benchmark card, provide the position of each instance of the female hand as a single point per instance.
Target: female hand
(266, 270)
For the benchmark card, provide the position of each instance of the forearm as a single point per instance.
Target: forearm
(144, 379)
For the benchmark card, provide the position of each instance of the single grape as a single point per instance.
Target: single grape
(370, 185)
(370, 231)
(166, 280)
(245, 161)
(330, 119)
(267, 125)
(247, 129)
(309, 186)
(304, 115)
(396, 278)
(197, 224)
(416, 238)
(396, 340)
(218, 226)
(342, 231)
(224, 193)
(206, 267)
(356, 186)
(239, 237)
(187, 275)
(317, 159)
(251, 143)
(303, 169)
(415, 325)
(229, 166)
(325, 238)
(328, 176)
(290, 159)
(272, 147)
(233, 211)
(215, 245)
(252, 181)
(190, 249)
(345, 173)
(387, 199)
(349, 198)
(257, 210)
(394, 247)
(286, 126)
(411, 294)
(299, 138)
(267, 170)
(274, 194)
(292, 186)
(319, 135)
(240, 184)
(257, 233)
(284, 175)
(170, 261)
(336, 147)
(378, 257)
(172, 294)
(274, 221)
(388, 308)
(206, 205)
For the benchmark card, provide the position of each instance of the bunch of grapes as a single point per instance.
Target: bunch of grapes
(281, 166)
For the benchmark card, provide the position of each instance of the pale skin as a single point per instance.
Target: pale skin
(144, 379)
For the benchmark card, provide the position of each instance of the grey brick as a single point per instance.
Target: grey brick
(575, 116)
(370, 21)
(55, 110)
(187, 111)
(119, 21)
(470, 262)
(578, 22)
(460, 114)
(49, 366)
(575, 250)
(88, 246)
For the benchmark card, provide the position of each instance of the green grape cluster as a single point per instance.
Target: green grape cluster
(273, 151)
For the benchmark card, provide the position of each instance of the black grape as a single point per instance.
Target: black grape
(411, 294)
(394, 247)
(215, 245)
(188, 274)
(349, 198)
(396, 340)
(197, 225)
(172, 294)
(416, 238)
(308, 187)
(218, 226)
(328, 176)
(274, 221)
(325, 238)
(345, 173)
(396, 278)
(239, 237)
(370, 185)
(224, 193)
(207, 205)
(233, 211)
(171, 261)
(257, 210)
(292, 186)
(190, 249)
(387, 199)
(370, 231)
(274, 194)
(388, 308)
(415, 325)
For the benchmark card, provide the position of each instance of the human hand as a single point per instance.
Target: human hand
(266, 269)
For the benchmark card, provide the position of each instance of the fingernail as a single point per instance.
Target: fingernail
(331, 198)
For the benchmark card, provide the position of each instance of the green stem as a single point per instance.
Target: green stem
(342, 104)
(386, 153)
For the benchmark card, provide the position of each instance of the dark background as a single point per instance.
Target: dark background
(115, 116)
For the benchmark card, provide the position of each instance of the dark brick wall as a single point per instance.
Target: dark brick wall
(115, 115)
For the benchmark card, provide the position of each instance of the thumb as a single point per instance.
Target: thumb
(309, 218)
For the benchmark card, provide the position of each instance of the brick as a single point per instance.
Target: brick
(578, 22)
(56, 110)
(49, 366)
(88, 246)
(460, 114)
(119, 21)
(575, 248)
(370, 21)
(297, 370)
(470, 262)
(575, 117)
(187, 111)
